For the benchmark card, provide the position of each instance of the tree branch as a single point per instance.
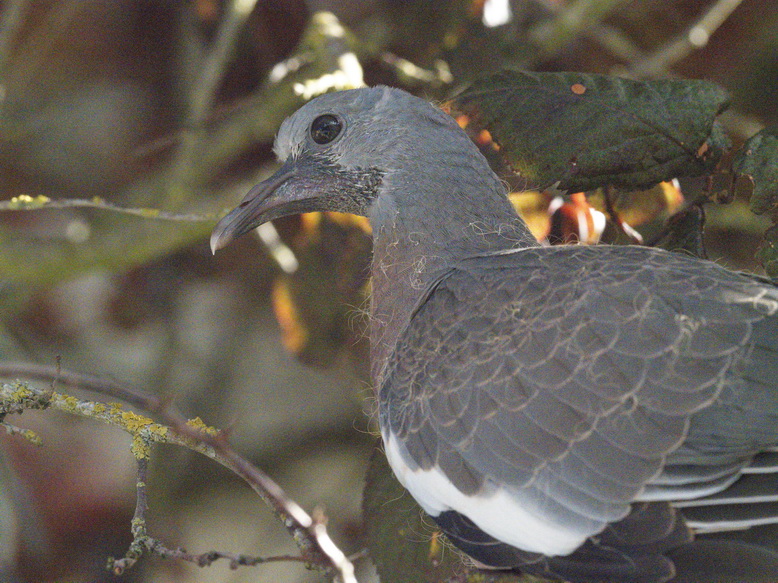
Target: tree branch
(203, 95)
(29, 203)
(309, 533)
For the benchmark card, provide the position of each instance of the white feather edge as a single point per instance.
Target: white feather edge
(500, 514)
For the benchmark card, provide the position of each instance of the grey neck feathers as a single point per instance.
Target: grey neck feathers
(426, 220)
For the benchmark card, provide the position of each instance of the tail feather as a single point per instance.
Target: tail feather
(749, 489)
(714, 561)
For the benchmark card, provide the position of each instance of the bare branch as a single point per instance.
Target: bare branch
(142, 542)
(203, 94)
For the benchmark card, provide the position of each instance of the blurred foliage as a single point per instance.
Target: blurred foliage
(116, 244)
(333, 251)
(639, 207)
(757, 164)
(758, 160)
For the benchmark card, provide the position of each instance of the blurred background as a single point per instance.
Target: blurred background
(117, 109)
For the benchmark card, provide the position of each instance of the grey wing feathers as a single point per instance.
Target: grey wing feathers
(578, 373)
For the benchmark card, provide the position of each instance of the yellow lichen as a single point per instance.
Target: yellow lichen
(141, 447)
(134, 422)
(21, 393)
(25, 201)
(69, 403)
(200, 425)
(32, 437)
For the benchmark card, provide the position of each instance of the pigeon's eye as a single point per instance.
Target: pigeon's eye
(325, 128)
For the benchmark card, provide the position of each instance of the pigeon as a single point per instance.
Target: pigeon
(582, 413)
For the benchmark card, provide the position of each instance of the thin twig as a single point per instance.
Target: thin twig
(217, 59)
(553, 35)
(143, 542)
(614, 41)
(27, 434)
(694, 38)
(106, 387)
(203, 94)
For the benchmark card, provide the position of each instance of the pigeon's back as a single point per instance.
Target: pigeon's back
(592, 407)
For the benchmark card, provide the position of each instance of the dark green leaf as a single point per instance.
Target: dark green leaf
(768, 253)
(757, 160)
(588, 131)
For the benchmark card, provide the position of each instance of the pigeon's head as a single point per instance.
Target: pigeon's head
(338, 150)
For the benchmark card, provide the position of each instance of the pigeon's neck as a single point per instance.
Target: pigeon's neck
(419, 237)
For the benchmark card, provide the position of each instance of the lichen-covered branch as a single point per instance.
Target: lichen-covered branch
(39, 202)
(310, 534)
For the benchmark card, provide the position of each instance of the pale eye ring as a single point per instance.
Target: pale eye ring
(325, 128)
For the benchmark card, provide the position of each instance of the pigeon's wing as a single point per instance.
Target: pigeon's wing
(540, 392)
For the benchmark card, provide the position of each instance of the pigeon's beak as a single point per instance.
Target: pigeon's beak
(261, 204)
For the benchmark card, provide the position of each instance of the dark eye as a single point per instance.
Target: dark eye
(325, 128)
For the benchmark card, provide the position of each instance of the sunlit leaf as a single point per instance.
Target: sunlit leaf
(532, 205)
(637, 207)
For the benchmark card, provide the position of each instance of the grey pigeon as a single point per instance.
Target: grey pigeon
(582, 413)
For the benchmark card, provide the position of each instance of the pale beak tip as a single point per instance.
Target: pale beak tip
(219, 239)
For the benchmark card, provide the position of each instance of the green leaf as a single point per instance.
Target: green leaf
(587, 131)
(758, 161)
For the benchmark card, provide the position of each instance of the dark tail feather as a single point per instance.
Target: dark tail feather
(719, 561)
